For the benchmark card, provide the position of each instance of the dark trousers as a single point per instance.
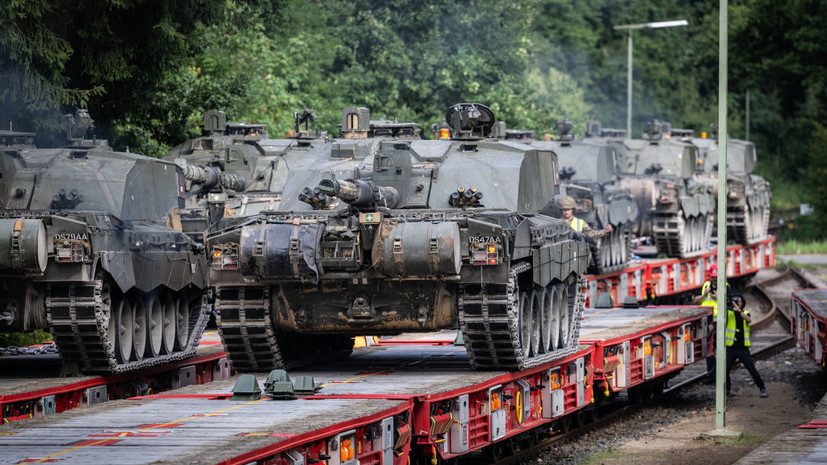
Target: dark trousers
(742, 354)
(710, 359)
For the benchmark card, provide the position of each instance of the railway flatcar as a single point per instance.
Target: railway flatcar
(809, 320)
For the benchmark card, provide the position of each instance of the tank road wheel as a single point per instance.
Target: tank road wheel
(604, 258)
(566, 308)
(168, 310)
(614, 245)
(624, 239)
(182, 319)
(155, 324)
(525, 323)
(556, 313)
(139, 321)
(121, 328)
(535, 305)
(752, 225)
(547, 320)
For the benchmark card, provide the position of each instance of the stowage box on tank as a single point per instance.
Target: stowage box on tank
(395, 234)
(89, 252)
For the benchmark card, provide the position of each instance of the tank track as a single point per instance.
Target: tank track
(489, 320)
(78, 315)
(745, 225)
(677, 237)
(612, 253)
(252, 341)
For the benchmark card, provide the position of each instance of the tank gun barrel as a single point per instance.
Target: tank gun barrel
(208, 177)
(360, 193)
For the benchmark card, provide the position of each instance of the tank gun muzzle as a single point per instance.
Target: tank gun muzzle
(205, 178)
(356, 192)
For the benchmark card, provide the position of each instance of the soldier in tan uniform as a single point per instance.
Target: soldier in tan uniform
(567, 206)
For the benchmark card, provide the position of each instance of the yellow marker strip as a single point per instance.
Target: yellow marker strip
(381, 372)
(145, 429)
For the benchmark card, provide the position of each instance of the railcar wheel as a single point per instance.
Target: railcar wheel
(182, 319)
(139, 325)
(168, 309)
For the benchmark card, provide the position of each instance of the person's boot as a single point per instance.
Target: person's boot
(764, 392)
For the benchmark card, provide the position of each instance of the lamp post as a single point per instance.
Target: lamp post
(630, 28)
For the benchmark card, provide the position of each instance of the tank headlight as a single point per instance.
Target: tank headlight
(69, 252)
(485, 255)
(225, 257)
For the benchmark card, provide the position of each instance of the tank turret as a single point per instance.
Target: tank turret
(370, 238)
(91, 250)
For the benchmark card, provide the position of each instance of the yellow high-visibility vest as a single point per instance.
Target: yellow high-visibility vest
(731, 330)
(576, 224)
(709, 302)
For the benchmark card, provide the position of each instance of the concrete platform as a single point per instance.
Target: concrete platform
(804, 445)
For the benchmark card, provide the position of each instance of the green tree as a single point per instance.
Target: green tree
(101, 53)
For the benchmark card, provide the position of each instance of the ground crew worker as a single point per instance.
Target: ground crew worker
(567, 206)
(737, 342)
(709, 298)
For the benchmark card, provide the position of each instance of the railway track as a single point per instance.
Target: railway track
(769, 300)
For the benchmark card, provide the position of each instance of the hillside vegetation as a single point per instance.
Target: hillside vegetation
(148, 70)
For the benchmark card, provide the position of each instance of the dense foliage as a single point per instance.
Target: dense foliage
(148, 70)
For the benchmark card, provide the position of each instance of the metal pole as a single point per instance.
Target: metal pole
(720, 345)
(747, 136)
(655, 25)
(629, 89)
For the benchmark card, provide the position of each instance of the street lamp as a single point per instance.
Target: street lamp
(630, 27)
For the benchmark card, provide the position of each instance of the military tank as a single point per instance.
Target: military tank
(748, 195)
(677, 206)
(412, 235)
(86, 255)
(588, 175)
